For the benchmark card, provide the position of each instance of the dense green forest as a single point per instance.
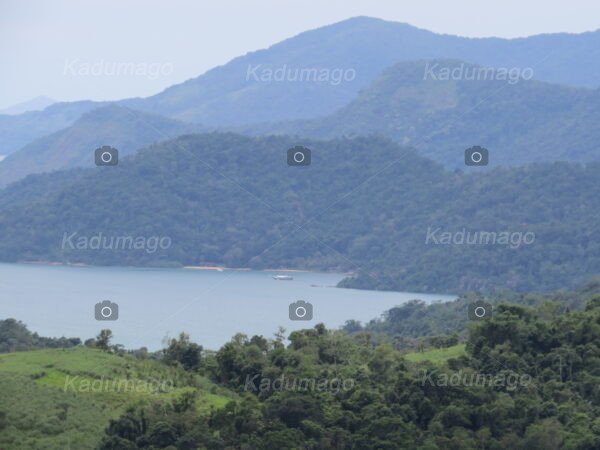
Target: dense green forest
(365, 205)
(527, 378)
(541, 392)
(417, 324)
(420, 103)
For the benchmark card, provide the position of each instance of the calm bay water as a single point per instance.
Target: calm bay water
(153, 303)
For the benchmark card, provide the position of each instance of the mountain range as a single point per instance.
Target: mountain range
(361, 48)
(241, 92)
(518, 120)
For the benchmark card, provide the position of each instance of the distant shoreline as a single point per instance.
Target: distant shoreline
(51, 263)
(210, 268)
(223, 268)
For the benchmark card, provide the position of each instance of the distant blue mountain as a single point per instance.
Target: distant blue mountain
(247, 90)
(35, 104)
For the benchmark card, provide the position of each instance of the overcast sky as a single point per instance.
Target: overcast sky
(44, 43)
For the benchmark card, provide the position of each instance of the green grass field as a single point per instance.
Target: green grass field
(64, 398)
(436, 356)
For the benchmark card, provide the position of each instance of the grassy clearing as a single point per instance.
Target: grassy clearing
(64, 398)
(437, 356)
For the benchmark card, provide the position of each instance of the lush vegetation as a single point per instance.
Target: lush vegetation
(525, 379)
(438, 356)
(541, 391)
(64, 398)
(232, 200)
(420, 376)
(415, 323)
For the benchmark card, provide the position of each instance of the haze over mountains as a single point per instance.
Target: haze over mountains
(236, 94)
(228, 95)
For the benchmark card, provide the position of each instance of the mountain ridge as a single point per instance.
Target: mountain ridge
(382, 43)
(222, 97)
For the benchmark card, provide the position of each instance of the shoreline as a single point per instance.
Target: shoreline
(208, 268)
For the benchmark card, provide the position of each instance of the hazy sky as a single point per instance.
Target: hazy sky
(45, 45)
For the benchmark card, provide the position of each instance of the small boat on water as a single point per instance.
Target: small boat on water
(282, 277)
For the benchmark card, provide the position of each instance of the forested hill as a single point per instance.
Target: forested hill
(525, 379)
(364, 205)
(440, 106)
(417, 323)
